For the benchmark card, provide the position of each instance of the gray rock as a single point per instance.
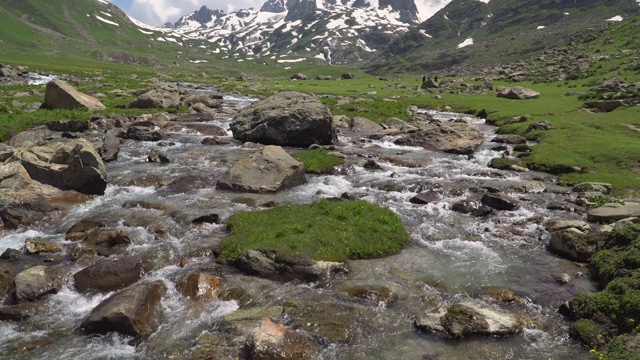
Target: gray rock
(540, 125)
(61, 95)
(347, 76)
(456, 138)
(36, 282)
(110, 147)
(288, 119)
(271, 266)
(613, 212)
(129, 312)
(157, 99)
(68, 125)
(268, 171)
(32, 137)
(144, 134)
(561, 224)
(298, 76)
(364, 125)
(341, 121)
(110, 275)
(158, 157)
(509, 139)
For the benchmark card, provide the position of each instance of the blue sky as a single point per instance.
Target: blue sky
(158, 12)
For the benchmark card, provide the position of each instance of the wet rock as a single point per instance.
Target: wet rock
(613, 212)
(399, 124)
(518, 93)
(61, 95)
(374, 294)
(287, 119)
(561, 224)
(240, 295)
(110, 147)
(364, 125)
(157, 98)
(144, 134)
(509, 139)
(466, 318)
(40, 246)
(201, 286)
(203, 129)
(426, 197)
(371, 165)
(274, 267)
(18, 312)
(561, 278)
(499, 202)
(186, 183)
(215, 140)
(129, 312)
(298, 76)
(465, 206)
(110, 275)
(79, 230)
(106, 241)
(15, 215)
(572, 244)
(158, 157)
(530, 187)
(273, 341)
(593, 187)
(13, 176)
(207, 219)
(36, 282)
(74, 165)
(268, 171)
(199, 118)
(456, 138)
(503, 295)
(209, 100)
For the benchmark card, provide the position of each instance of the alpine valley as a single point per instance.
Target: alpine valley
(321, 180)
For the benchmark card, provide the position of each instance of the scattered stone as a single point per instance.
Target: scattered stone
(593, 187)
(503, 295)
(509, 139)
(61, 95)
(540, 125)
(561, 278)
(298, 76)
(129, 312)
(165, 97)
(268, 171)
(287, 119)
(613, 212)
(347, 76)
(362, 124)
(572, 244)
(426, 197)
(456, 138)
(372, 165)
(80, 229)
(215, 140)
(144, 134)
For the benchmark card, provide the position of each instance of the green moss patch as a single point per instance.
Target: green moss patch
(324, 230)
(317, 161)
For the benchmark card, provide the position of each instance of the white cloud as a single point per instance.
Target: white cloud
(158, 12)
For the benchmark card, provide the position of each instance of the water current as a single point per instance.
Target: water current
(452, 256)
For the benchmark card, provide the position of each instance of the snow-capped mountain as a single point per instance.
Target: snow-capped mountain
(334, 30)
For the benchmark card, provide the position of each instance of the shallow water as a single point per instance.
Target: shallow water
(462, 253)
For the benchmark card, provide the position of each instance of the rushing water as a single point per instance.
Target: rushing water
(460, 252)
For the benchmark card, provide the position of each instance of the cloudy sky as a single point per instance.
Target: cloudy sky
(158, 12)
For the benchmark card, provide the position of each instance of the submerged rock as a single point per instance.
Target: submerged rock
(201, 286)
(499, 202)
(129, 312)
(273, 341)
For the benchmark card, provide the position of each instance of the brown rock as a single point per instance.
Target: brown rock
(201, 286)
(61, 95)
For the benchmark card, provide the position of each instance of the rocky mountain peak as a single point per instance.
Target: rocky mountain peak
(274, 6)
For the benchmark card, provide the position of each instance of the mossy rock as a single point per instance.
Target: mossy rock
(323, 231)
(589, 332)
(461, 320)
(317, 161)
(502, 163)
(373, 293)
(331, 320)
(523, 148)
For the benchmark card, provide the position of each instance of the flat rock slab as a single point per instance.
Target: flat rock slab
(61, 95)
(614, 212)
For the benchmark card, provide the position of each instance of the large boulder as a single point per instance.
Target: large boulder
(110, 275)
(365, 125)
(106, 241)
(449, 137)
(298, 76)
(36, 282)
(267, 171)
(518, 93)
(201, 286)
(467, 318)
(130, 312)
(158, 98)
(604, 188)
(572, 244)
(274, 341)
(274, 267)
(288, 119)
(74, 165)
(613, 212)
(61, 95)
